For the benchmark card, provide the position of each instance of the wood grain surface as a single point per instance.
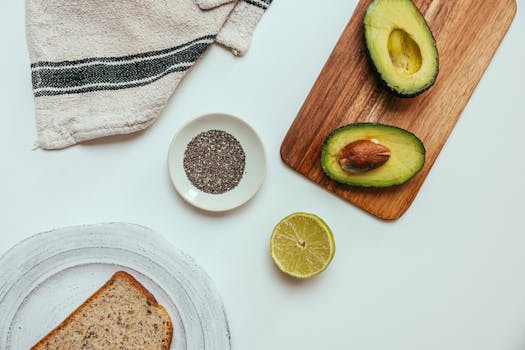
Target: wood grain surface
(467, 33)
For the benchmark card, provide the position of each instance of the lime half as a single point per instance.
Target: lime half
(302, 245)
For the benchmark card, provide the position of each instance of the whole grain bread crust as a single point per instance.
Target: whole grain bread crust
(118, 275)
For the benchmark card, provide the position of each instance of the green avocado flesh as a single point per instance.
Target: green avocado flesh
(407, 155)
(401, 46)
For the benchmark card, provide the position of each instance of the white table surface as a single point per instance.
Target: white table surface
(448, 275)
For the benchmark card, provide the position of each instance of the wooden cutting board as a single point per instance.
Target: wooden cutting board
(467, 33)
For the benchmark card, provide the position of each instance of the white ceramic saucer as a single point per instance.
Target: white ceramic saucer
(45, 277)
(254, 171)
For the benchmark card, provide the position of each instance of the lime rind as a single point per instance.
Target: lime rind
(293, 270)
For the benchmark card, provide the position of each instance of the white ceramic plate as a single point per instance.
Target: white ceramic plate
(44, 278)
(254, 171)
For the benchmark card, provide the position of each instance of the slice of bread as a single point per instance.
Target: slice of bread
(122, 314)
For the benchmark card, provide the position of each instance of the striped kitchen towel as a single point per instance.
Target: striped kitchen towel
(102, 68)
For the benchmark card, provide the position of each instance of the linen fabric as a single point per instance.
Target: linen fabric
(102, 68)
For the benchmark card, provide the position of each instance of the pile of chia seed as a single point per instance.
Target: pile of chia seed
(214, 161)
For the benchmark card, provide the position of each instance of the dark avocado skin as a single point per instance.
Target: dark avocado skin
(366, 124)
(380, 78)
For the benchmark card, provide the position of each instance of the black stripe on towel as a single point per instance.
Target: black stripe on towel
(113, 73)
(263, 4)
(102, 87)
(119, 58)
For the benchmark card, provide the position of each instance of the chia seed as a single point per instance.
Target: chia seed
(214, 161)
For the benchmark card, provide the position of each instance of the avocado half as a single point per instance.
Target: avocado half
(407, 155)
(401, 47)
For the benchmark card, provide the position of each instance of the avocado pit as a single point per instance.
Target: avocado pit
(351, 151)
(363, 155)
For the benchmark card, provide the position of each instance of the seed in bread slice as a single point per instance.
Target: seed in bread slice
(122, 314)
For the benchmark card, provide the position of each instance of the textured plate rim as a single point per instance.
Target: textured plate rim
(14, 269)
